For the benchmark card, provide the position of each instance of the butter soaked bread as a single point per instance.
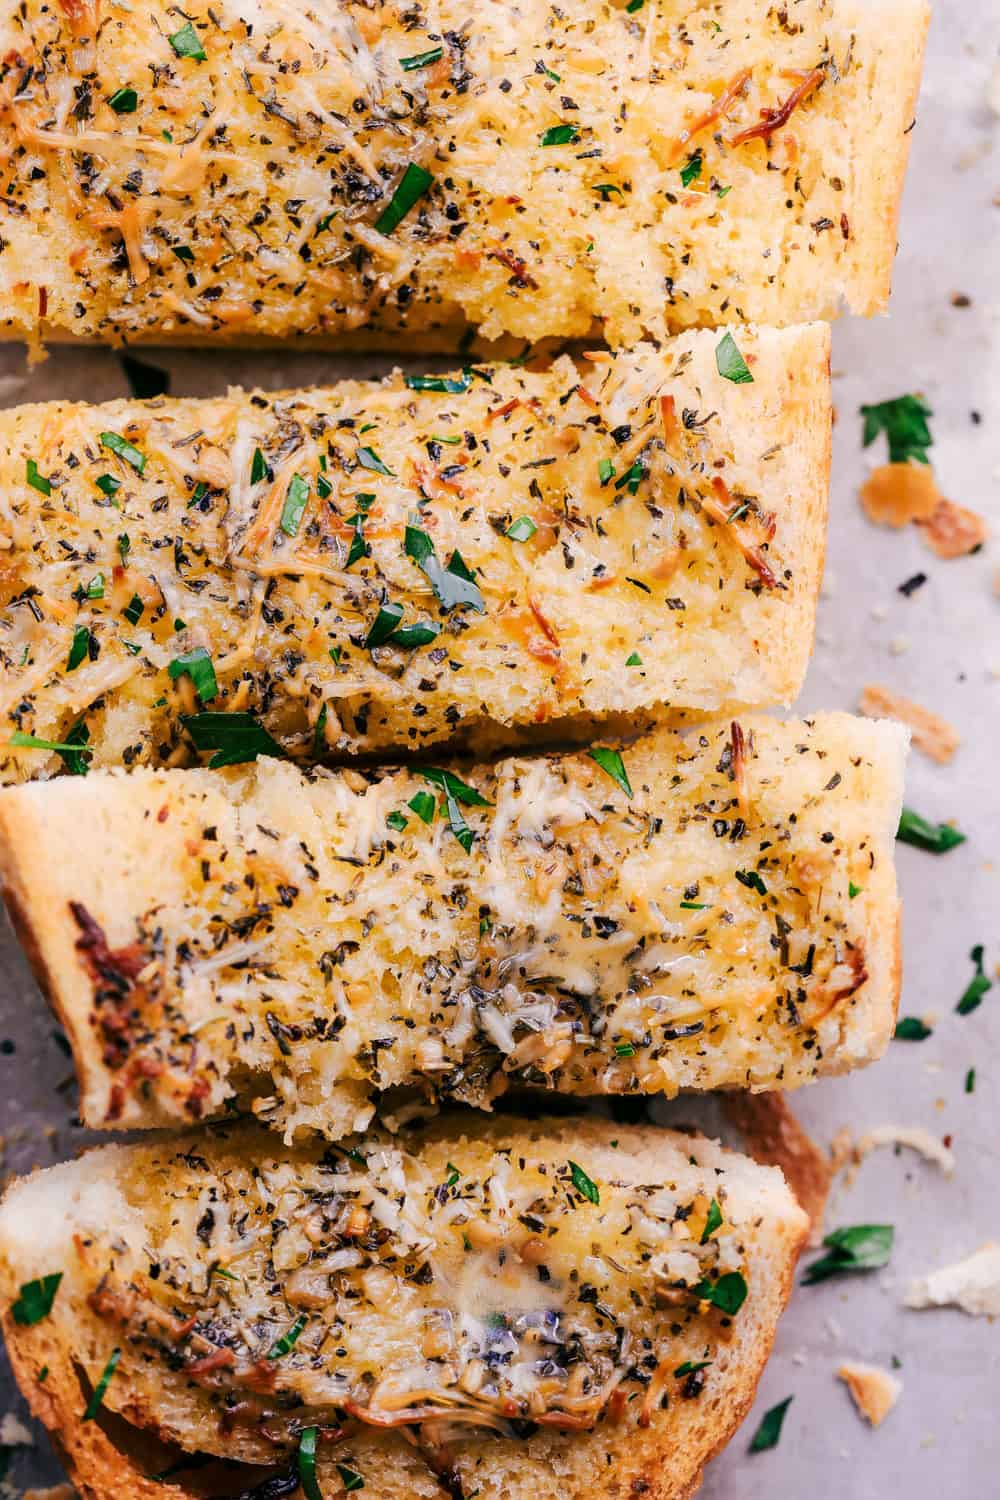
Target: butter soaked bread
(719, 911)
(390, 564)
(386, 172)
(469, 1310)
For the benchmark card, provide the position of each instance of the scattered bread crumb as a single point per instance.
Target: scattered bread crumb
(773, 1136)
(899, 645)
(972, 1284)
(931, 734)
(896, 494)
(913, 1136)
(873, 1391)
(953, 530)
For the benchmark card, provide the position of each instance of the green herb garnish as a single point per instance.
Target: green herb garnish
(559, 135)
(288, 1340)
(37, 481)
(859, 1247)
(610, 761)
(124, 101)
(584, 1184)
(904, 422)
(258, 467)
(294, 507)
(454, 585)
(197, 665)
(452, 385)
(521, 530)
(730, 363)
(712, 1223)
(728, 1294)
(423, 804)
(307, 1464)
(769, 1431)
(691, 1367)
(752, 880)
(457, 793)
(187, 43)
(35, 1300)
(100, 1389)
(71, 749)
(236, 738)
(853, 890)
(124, 450)
(134, 609)
(95, 588)
(912, 1029)
(977, 985)
(409, 190)
(79, 650)
(691, 169)
(936, 838)
(970, 1081)
(350, 1478)
(421, 59)
(397, 820)
(634, 660)
(108, 484)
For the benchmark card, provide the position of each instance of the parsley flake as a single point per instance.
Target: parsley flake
(37, 481)
(904, 422)
(977, 985)
(125, 450)
(858, 1247)
(730, 362)
(187, 43)
(35, 1300)
(197, 665)
(936, 838)
(769, 1431)
(584, 1184)
(235, 737)
(411, 187)
(610, 761)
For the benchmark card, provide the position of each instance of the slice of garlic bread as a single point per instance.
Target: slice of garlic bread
(378, 565)
(690, 913)
(374, 173)
(481, 1308)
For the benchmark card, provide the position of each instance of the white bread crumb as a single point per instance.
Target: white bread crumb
(972, 1284)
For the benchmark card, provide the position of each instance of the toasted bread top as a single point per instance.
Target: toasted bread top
(322, 169)
(512, 1291)
(704, 912)
(375, 565)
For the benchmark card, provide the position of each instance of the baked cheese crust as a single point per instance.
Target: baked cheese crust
(517, 1299)
(253, 169)
(713, 912)
(389, 565)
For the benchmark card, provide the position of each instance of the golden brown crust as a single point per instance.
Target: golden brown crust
(897, 59)
(772, 1135)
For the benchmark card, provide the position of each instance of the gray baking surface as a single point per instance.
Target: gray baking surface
(940, 646)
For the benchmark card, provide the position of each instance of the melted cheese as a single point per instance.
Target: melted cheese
(312, 940)
(269, 532)
(240, 195)
(254, 1292)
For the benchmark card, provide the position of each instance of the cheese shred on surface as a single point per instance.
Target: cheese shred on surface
(380, 565)
(453, 1287)
(303, 945)
(253, 168)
